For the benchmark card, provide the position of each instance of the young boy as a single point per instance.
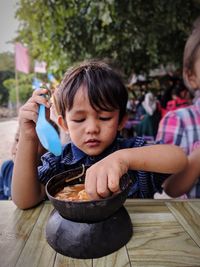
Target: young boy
(92, 101)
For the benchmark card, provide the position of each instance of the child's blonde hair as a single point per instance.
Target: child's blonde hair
(191, 52)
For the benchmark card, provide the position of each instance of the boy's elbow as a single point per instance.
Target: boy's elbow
(21, 205)
(27, 199)
(18, 200)
(24, 205)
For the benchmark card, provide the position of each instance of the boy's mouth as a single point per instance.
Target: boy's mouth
(92, 142)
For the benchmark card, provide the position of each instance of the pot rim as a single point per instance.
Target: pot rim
(125, 183)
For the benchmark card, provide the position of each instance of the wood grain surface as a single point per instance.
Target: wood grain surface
(165, 233)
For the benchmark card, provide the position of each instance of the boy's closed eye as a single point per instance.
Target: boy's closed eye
(105, 118)
(78, 120)
(100, 118)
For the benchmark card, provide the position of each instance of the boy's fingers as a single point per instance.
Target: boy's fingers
(102, 186)
(91, 186)
(39, 99)
(41, 91)
(113, 182)
(30, 115)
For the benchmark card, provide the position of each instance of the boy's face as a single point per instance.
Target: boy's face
(90, 130)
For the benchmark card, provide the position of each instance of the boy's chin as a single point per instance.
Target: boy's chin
(93, 152)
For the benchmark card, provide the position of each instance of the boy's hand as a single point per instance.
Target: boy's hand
(28, 113)
(102, 178)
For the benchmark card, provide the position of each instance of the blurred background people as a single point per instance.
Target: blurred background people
(181, 97)
(175, 96)
(149, 115)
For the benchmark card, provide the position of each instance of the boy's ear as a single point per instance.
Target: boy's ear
(123, 122)
(62, 123)
(191, 79)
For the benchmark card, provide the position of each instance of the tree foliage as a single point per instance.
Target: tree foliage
(8, 81)
(135, 34)
(24, 85)
(6, 72)
(4, 93)
(7, 62)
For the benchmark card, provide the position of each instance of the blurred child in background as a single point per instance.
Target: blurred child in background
(182, 126)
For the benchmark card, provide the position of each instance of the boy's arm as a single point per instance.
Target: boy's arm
(103, 177)
(27, 191)
(155, 158)
(180, 183)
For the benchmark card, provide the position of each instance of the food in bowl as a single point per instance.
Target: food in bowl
(84, 211)
(73, 193)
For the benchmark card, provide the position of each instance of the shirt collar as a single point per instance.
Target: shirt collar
(79, 154)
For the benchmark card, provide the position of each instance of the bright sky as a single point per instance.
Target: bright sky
(8, 24)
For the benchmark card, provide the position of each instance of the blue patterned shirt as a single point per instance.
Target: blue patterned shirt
(144, 185)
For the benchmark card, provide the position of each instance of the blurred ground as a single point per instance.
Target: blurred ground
(8, 128)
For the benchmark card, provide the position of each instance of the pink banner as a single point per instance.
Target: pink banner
(21, 58)
(40, 66)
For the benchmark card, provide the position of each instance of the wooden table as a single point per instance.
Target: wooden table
(166, 233)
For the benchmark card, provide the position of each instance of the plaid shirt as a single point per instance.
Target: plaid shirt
(182, 128)
(144, 185)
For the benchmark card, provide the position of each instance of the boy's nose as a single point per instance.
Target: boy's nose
(92, 127)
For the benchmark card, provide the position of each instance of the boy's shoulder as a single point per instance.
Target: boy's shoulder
(182, 113)
(70, 154)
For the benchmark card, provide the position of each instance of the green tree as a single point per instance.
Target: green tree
(8, 82)
(135, 34)
(7, 62)
(6, 72)
(4, 93)
(24, 85)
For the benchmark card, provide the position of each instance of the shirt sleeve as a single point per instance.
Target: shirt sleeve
(170, 129)
(144, 184)
(50, 166)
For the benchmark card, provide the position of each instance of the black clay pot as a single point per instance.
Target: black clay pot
(84, 211)
(88, 240)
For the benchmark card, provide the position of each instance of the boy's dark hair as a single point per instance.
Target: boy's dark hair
(105, 88)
